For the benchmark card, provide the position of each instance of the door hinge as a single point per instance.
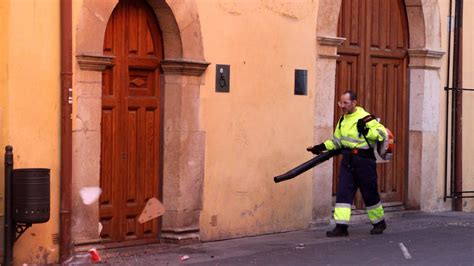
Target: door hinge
(69, 96)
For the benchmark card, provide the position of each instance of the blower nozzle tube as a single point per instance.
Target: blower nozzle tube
(306, 166)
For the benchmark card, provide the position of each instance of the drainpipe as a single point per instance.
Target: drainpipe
(457, 86)
(65, 247)
(446, 132)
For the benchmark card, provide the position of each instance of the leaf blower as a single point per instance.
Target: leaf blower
(306, 166)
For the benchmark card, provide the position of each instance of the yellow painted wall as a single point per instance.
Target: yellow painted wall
(468, 104)
(444, 12)
(260, 129)
(31, 103)
(4, 29)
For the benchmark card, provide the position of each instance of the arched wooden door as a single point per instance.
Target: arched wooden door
(373, 62)
(130, 126)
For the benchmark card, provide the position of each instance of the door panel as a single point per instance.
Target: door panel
(373, 62)
(130, 173)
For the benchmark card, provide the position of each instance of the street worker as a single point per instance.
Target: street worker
(356, 133)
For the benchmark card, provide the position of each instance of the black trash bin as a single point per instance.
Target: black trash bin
(31, 195)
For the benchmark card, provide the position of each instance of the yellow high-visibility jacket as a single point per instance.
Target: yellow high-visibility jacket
(346, 134)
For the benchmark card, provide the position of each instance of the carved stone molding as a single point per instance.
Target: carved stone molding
(328, 56)
(328, 46)
(180, 235)
(94, 62)
(330, 41)
(425, 58)
(425, 53)
(183, 67)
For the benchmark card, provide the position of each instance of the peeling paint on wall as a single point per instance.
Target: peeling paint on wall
(240, 8)
(41, 255)
(291, 9)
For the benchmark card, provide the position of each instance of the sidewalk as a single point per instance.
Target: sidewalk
(414, 238)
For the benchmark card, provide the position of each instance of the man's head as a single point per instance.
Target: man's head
(348, 102)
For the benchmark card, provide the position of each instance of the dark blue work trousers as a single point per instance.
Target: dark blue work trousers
(357, 172)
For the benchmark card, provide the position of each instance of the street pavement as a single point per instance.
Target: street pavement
(412, 238)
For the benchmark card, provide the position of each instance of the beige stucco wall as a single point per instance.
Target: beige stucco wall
(29, 104)
(260, 129)
(468, 105)
(468, 110)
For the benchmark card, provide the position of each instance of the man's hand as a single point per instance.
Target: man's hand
(318, 149)
(361, 127)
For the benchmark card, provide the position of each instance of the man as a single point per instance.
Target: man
(355, 134)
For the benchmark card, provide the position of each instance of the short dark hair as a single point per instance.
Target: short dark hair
(352, 95)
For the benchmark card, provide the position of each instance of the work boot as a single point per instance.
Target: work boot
(378, 228)
(339, 230)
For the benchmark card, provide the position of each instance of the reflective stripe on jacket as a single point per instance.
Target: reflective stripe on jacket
(347, 136)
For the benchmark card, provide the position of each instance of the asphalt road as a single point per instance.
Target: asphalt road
(412, 238)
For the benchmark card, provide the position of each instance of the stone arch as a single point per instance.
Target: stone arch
(183, 140)
(181, 33)
(424, 67)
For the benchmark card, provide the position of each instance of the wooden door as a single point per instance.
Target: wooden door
(373, 62)
(130, 128)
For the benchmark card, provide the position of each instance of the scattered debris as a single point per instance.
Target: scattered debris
(90, 195)
(458, 224)
(79, 259)
(153, 208)
(184, 258)
(406, 254)
(84, 258)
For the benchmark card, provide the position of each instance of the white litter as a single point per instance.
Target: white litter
(90, 195)
(153, 208)
(100, 227)
(406, 254)
(78, 259)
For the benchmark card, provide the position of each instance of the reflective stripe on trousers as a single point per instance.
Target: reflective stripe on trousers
(375, 213)
(342, 213)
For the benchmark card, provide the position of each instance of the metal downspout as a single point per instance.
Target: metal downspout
(66, 129)
(448, 75)
(457, 86)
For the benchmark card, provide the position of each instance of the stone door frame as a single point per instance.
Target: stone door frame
(183, 140)
(424, 83)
